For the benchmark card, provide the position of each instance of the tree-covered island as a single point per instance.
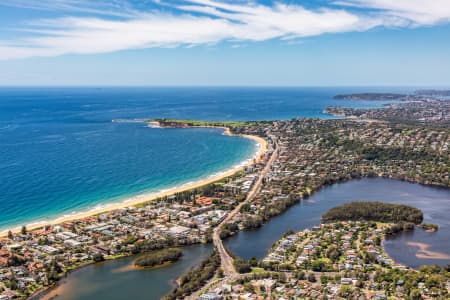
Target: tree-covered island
(374, 211)
(156, 258)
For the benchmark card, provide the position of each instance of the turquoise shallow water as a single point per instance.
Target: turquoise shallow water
(60, 153)
(90, 165)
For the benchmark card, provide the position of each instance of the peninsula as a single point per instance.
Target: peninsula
(419, 108)
(372, 96)
(297, 158)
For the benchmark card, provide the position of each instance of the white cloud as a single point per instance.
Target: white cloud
(200, 22)
(418, 12)
(118, 8)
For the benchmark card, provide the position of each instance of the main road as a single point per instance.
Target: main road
(226, 261)
(225, 258)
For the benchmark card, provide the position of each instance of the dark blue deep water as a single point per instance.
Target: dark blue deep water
(61, 153)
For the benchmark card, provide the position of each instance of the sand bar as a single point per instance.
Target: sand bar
(423, 251)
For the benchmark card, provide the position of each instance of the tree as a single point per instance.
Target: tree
(98, 257)
(55, 266)
(220, 273)
(288, 232)
(73, 228)
(345, 292)
(15, 260)
(333, 252)
(43, 241)
(300, 275)
(377, 241)
(415, 294)
(360, 284)
(241, 265)
(319, 265)
(10, 235)
(311, 277)
(323, 279)
(12, 282)
(24, 230)
(253, 262)
(196, 278)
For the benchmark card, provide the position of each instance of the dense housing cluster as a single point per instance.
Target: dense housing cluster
(32, 260)
(342, 260)
(337, 260)
(316, 153)
(425, 109)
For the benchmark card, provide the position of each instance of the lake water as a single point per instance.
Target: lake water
(434, 202)
(118, 280)
(106, 281)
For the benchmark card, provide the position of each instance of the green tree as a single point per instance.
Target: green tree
(220, 273)
(97, 257)
(333, 252)
(323, 279)
(345, 292)
(12, 282)
(300, 275)
(415, 294)
(319, 265)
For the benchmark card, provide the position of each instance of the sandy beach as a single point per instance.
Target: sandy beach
(146, 198)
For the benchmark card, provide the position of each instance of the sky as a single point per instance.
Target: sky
(225, 43)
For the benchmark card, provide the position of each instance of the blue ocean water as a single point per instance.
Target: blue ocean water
(61, 153)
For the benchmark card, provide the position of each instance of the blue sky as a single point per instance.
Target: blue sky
(218, 42)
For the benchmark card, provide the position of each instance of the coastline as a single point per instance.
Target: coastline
(143, 198)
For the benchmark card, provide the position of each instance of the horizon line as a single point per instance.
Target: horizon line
(226, 86)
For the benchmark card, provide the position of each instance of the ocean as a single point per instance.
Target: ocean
(60, 152)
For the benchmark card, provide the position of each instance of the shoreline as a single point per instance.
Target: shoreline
(43, 294)
(143, 197)
(51, 292)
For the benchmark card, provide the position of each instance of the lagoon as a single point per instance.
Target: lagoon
(119, 279)
(114, 279)
(433, 201)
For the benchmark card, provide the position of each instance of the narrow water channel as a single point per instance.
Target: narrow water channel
(116, 280)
